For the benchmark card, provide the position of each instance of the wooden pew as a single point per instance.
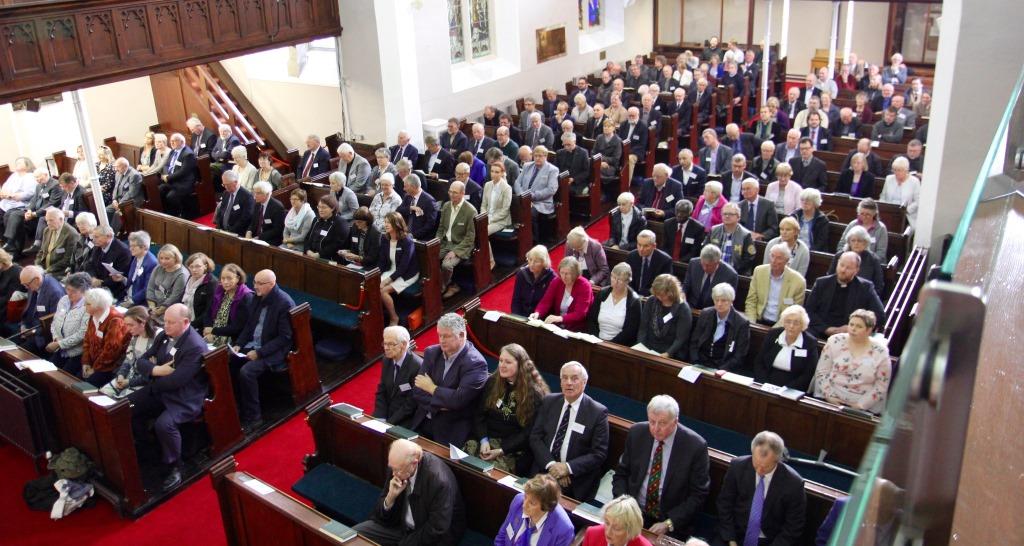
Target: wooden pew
(845, 209)
(302, 372)
(808, 425)
(362, 452)
(205, 195)
(272, 519)
(522, 226)
(428, 255)
(355, 291)
(589, 206)
(105, 433)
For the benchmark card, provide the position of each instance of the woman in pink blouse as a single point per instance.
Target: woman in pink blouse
(567, 298)
(854, 369)
(708, 210)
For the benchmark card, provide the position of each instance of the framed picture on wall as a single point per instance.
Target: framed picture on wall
(550, 43)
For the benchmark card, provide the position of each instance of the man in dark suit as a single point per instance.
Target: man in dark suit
(715, 157)
(683, 235)
(108, 251)
(404, 149)
(742, 143)
(761, 495)
(420, 505)
(732, 182)
(664, 466)
(810, 88)
(437, 161)
(704, 272)
(647, 262)
(394, 402)
(764, 164)
(682, 107)
(626, 222)
(834, 297)
(576, 161)
(265, 341)
(315, 160)
(583, 87)
(481, 142)
(220, 154)
(127, 189)
(874, 164)
(538, 134)
(569, 439)
(449, 385)
(815, 133)
(848, 125)
(650, 115)
(689, 174)
(179, 177)
(757, 214)
(419, 209)
(268, 216)
(595, 125)
(792, 105)
(22, 221)
(453, 140)
(661, 192)
(789, 149)
(722, 336)
(701, 100)
(635, 133)
(201, 139)
(809, 171)
(234, 213)
(174, 363)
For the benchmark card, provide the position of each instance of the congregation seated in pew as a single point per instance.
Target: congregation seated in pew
(647, 262)
(141, 333)
(106, 338)
(858, 240)
(219, 306)
(708, 210)
(457, 234)
(784, 192)
(531, 281)
(590, 254)
(567, 298)
(393, 399)
(703, 273)
(789, 355)
(757, 213)
(789, 235)
(721, 337)
(735, 241)
(536, 512)
(857, 180)
(348, 203)
(166, 283)
(298, 221)
(660, 193)
(774, 287)
(665, 319)
(419, 209)
(329, 232)
(397, 262)
(627, 221)
(268, 216)
(854, 369)
(70, 321)
(615, 313)
(834, 297)
(813, 223)
(362, 247)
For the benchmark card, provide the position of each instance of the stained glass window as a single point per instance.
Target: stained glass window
(589, 14)
(458, 46)
(481, 27)
(469, 29)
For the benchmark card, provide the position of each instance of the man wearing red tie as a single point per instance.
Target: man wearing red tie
(315, 160)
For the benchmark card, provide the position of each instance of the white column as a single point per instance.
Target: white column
(848, 37)
(89, 146)
(784, 38)
(833, 39)
(766, 60)
(399, 66)
(964, 113)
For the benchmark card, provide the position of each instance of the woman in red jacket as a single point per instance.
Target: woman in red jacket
(105, 338)
(567, 298)
(622, 525)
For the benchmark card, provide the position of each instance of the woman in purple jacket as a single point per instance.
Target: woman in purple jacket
(223, 320)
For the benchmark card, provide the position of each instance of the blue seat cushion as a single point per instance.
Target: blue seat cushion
(324, 310)
(338, 494)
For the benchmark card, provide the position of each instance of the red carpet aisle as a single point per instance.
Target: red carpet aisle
(193, 516)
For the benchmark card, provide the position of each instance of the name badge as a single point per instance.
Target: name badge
(508, 531)
(44, 195)
(764, 176)
(802, 353)
(59, 251)
(691, 176)
(236, 207)
(202, 145)
(670, 198)
(872, 240)
(323, 233)
(99, 334)
(460, 224)
(688, 240)
(172, 350)
(732, 345)
(498, 403)
(824, 141)
(404, 387)
(40, 308)
(267, 221)
(315, 165)
(578, 428)
(787, 301)
(666, 318)
(355, 239)
(177, 163)
(89, 244)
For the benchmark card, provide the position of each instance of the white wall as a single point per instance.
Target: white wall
(123, 110)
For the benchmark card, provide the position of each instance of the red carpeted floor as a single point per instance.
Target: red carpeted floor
(192, 517)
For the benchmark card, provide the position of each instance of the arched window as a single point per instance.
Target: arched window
(469, 30)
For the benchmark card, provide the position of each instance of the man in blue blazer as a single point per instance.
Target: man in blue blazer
(44, 293)
(234, 213)
(681, 456)
(437, 161)
(705, 272)
(108, 250)
(315, 160)
(404, 149)
(453, 140)
(661, 192)
(177, 389)
(448, 388)
(419, 209)
(265, 341)
(557, 529)
(647, 262)
(569, 439)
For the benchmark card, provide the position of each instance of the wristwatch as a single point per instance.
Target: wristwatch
(668, 523)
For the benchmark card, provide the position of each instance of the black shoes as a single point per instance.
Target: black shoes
(172, 480)
(249, 427)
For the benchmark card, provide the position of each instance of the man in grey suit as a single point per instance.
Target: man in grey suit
(715, 157)
(127, 188)
(757, 214)
(705, 272)
(355, 168)
(664, 466)
(541, 178)
(538, 134)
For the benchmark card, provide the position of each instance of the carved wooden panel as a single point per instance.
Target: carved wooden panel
(49, 47)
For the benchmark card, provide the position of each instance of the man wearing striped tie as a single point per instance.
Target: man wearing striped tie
(664, 466)
(762, 500)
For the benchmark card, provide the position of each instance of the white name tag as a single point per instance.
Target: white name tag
(267, 221)
(355, 239)
(323, 233)
(89, 244)
(460, 224)
(172, 350)
(787, 301)
(670, 198)
(177, 163)
(404, 387)
(202, 145)
(800, 353)
(236, 207)
(40, 308)
(578, 428)
(732, 345)
(691, 176)
(315, 165)
(824, 141)
(666, 318)
(688, 240)
(59, 251)
(99, 334)
(764, 176)
(45, 195)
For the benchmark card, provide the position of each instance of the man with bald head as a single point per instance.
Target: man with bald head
(421, 504)
(404, 149)
(127, 189)
(174, 366)
(834, 297)
(179, 176)
(457, 234)
(44, 292)
(265, 341)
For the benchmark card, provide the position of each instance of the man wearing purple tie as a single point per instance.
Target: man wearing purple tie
(762, 500)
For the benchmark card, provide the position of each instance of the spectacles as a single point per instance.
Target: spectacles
(391, 344)
(729, 214)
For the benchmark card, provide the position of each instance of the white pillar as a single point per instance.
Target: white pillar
(833, 39)
(848, 37)
(766, 60)
(784, 38)
(89, 146)
(399, 66)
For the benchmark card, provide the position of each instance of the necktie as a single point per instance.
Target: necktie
(754, 521)
(705, 291)
(814, 138)
(227, 209)
(651, 505)
(170, 164)
(644, 266)
(563, 427)
(533, 139)
(524, 539)
(727, 251)
(309, 164)
(677, 247)
(536, 171)
(657, 198)
(259, 220)
(752, 207)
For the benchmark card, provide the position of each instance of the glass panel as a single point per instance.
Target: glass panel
(455, 31)
(480, 24)
(921, 32)
(579, 13)
(701, 20)
(595, 13)
(668, 21)
(736, 17)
